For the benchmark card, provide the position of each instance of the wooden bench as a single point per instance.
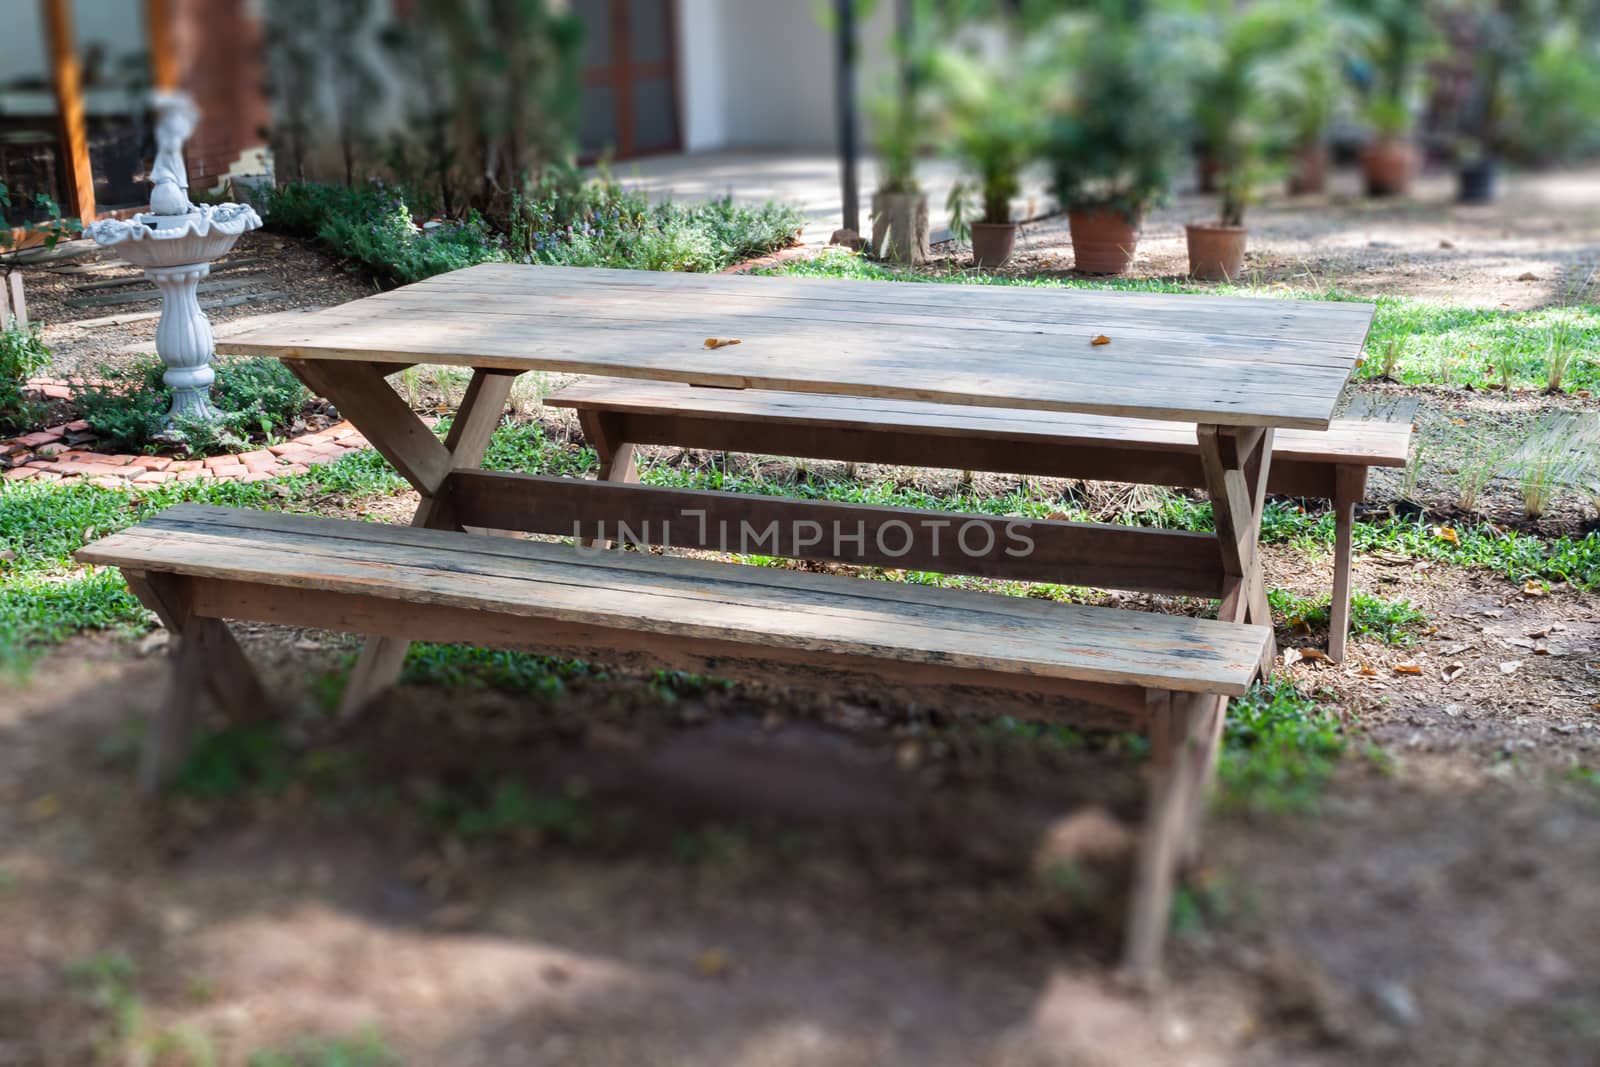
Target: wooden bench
(1168, 676)
(618, 414)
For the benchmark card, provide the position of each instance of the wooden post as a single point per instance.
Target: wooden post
(845, 88)
(11, 294)
(69, 106)
(158, 15)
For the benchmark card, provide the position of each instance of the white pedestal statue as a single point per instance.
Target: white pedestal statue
(175, 243)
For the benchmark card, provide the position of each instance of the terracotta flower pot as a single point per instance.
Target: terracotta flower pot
(992, 243)
(1387, 166)
(1216, 252)
(1308, 172)
(1103, 242)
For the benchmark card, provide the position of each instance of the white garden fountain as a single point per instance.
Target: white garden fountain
(175, 243)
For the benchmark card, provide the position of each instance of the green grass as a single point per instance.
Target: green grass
(1279, 749)
(1394, 622)
(1429, 343)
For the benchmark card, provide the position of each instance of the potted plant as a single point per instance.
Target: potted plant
(1116, 136)
(990, 103)
(1236, 114)
(1398, 39)
(1307, 88)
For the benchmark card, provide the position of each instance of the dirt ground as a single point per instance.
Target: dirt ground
(778, 878)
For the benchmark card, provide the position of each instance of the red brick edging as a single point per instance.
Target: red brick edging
(45, 455)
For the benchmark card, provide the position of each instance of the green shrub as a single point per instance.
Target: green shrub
(128, 410)
(22, 355)
(562, 220)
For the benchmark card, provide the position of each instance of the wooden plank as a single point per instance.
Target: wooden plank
(1091, 554)
(1252, 316)
(205, 305)
(692, 599)
(630, 650)
(1352, 440)
(113, 299)
(596, 337)
(67, 78)
(1178, 359)
(756, 318)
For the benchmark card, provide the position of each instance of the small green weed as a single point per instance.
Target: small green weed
(366, 1049)
(1394, 622)
(509, 809)
(1279, 749)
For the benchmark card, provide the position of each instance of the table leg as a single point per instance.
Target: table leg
(363, 396)
(1236, 462)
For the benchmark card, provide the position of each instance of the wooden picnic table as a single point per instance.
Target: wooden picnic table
(1235, 368)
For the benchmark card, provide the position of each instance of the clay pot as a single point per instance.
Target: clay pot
(1103, 242)
(1387, 166)
(992, 243)
(900, 227)
(1308, 172)
(1216, 252)
(1475, 182)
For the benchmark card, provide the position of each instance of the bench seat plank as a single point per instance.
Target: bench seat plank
(1361, 442)
(697, 599)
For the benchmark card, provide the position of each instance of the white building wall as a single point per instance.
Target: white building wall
(760, 73)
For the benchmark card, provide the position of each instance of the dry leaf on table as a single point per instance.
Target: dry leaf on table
(1100, 339)
(721, 342)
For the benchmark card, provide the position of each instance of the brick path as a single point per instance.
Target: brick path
(48, 455)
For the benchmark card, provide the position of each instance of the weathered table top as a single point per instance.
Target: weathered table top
(1202, 359)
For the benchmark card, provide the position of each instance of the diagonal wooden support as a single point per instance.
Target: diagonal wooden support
(366, 399)
(1236, 465)
(207, 661)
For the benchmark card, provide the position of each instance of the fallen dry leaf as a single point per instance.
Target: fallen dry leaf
(721, 342)
(1367, 672)
(1532, 588)
(1407, 668)
(1450, 672)
(1510, 666)
(1100, 339)
(1446, 533)
(713, 963)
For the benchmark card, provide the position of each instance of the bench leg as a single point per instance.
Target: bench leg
(1236, 465)
(1184, 732)
(1350, 487)
(382, 657)
(207, 662)
(604, 432)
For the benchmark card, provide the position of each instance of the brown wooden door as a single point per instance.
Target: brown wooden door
(629, 105)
